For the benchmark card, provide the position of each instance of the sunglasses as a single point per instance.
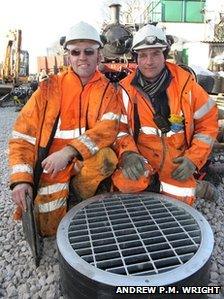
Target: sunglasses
(77, 52)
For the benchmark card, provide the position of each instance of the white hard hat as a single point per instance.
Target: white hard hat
(82, 31)
(149, 36)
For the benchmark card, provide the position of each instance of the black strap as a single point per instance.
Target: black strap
(137, 124)
(42, 154)
(155, 182)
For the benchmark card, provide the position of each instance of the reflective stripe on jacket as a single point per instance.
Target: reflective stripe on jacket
(88, 120)
(193, 139)
(185, 97)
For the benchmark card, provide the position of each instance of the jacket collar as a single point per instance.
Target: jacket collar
(179, 75)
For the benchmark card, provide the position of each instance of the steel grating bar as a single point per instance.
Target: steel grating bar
(117, 243)
(134, 236)
(164, 236)
(91, 244)
(150, 259)
(183, 226)
(84, 251)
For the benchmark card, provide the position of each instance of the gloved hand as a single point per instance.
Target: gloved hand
(206, 190)
(184, 170)
(133, 165)
(57, 161)
(19, 194)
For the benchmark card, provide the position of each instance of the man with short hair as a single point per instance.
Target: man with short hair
(66, 128)
(172, 119)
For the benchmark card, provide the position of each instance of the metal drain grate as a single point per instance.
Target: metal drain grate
(132, 240)
(132, 235)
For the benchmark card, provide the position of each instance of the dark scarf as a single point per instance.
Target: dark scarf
(156, 87)
(156, 91)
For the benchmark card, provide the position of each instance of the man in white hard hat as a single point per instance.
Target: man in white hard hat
(173, 120)
(65, 130)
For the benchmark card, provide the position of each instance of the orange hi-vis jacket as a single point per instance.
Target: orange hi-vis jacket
(88, 120)
(186, 99)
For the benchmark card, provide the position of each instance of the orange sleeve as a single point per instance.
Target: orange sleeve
(105, 130)
(22, 142)
(205, 123)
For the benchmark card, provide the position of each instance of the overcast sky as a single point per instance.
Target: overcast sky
(43, 22)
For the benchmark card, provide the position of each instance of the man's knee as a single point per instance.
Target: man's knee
(94, 171)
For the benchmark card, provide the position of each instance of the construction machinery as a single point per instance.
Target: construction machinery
(14, 70)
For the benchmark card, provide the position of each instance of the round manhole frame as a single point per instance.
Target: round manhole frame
(162, 279)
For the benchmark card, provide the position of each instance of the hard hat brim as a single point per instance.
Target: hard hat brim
(70, 42)
(83, 31)
(143, 47)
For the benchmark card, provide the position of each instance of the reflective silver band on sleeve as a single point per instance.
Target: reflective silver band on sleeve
(92, 147)
(202, 111)
(204, 138)
(110, 116)
(28, 138)
(21, 168)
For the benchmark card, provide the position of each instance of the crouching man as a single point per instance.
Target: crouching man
(171, 118)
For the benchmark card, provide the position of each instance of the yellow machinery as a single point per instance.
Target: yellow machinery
(15, 68)
(14, 71)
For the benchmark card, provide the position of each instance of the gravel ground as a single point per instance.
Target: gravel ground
(18, 276)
